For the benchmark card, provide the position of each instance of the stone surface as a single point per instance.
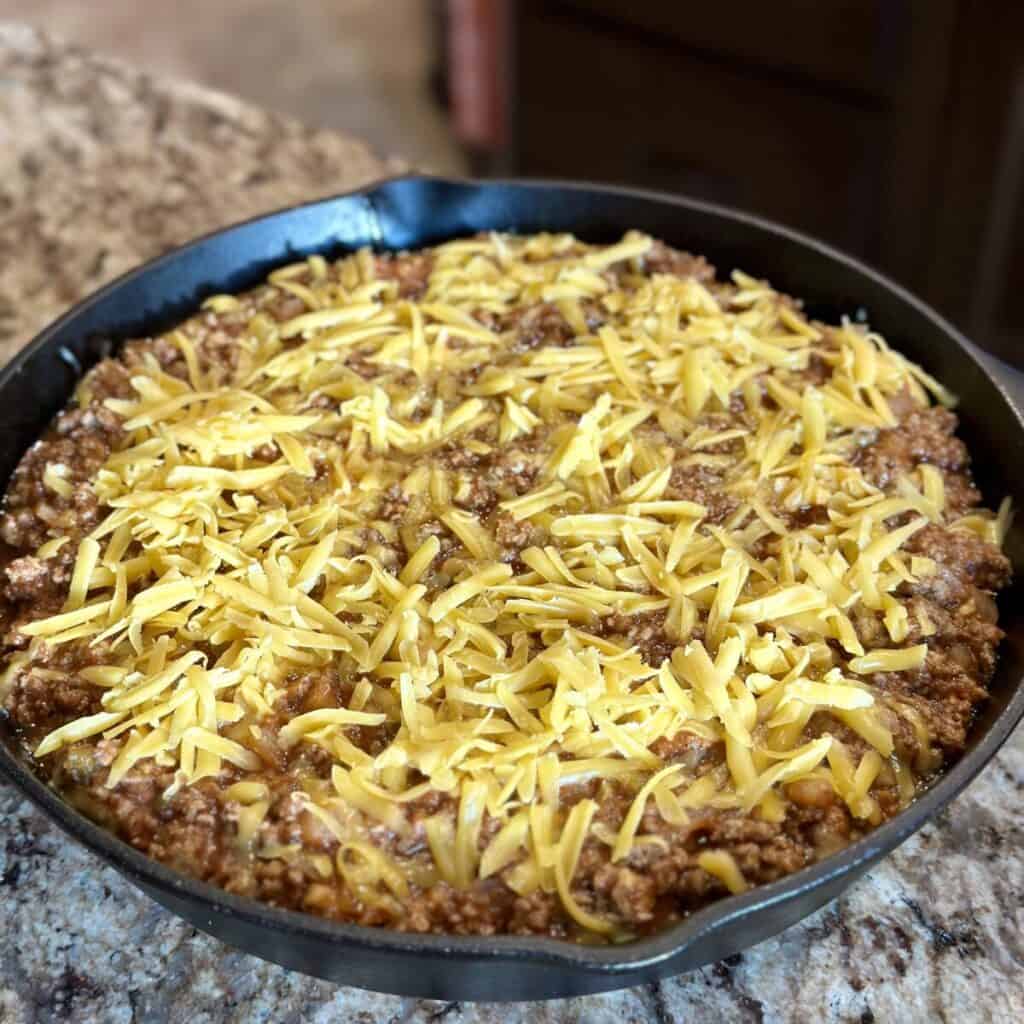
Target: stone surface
(101, 167)
(358, 66)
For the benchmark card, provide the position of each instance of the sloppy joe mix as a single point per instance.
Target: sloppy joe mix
(516, 585)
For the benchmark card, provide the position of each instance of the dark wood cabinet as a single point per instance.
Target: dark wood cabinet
(892, 128)
(642, 114)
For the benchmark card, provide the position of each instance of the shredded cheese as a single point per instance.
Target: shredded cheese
(249, 538)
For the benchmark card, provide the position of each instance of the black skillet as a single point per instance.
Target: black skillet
(416, 211)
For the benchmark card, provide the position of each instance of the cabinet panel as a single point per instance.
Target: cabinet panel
(851, 43)
(592, 108)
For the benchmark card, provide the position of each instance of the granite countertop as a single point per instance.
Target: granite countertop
(102, 166)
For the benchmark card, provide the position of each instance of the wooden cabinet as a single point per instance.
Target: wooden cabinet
(640, 114)
(839, 42)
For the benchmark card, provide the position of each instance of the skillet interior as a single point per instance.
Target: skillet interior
(421, 211)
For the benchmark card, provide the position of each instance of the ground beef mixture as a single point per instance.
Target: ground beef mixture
(520, 340)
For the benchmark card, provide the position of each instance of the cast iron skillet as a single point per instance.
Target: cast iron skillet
(420, 211)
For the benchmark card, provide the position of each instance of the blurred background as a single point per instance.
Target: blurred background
(892, 128)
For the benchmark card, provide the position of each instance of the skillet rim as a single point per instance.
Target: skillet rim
(629, 958)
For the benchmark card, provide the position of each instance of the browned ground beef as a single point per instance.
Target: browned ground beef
(645, 631)
(663, 259)
(925, 436)
(703, 485)
(409, 270)
(194, 829)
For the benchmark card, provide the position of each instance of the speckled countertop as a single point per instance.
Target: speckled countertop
(102, 166)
